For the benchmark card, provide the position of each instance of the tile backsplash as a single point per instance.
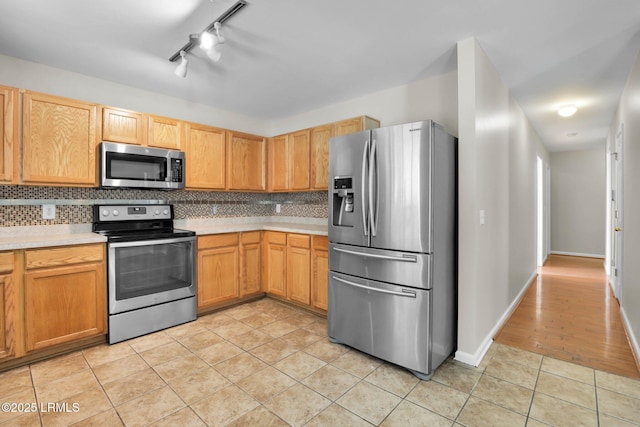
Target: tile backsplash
(22, 205)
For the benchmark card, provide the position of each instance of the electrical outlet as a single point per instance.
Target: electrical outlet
(214, 210)
(48, 211)
(277, 207)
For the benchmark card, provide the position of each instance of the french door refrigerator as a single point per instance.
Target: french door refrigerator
(392, 250)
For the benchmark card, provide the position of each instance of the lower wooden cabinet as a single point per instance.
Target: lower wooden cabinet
(320, 273)
(295, 267)
(228, 268)
(8, 301)
(250, 263)
(217, 266)
(274, 268)
(64, 295)
(298, 268)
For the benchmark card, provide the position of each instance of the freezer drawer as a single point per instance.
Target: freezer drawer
(400, 268)
(386, 321)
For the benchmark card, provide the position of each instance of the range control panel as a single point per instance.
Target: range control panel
(134, 212)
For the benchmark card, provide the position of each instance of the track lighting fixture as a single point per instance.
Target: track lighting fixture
(210, 43)
(209, 40)
(181, 69)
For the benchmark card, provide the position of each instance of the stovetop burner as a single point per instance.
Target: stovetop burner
(126, 223)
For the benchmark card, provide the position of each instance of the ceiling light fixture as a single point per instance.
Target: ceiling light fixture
(567, 110)
(181, 69)
(207, 38)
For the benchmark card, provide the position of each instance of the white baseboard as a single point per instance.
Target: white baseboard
(476, 358)
(577, 254)
(635, 346)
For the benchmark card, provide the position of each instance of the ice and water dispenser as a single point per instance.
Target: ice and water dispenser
(343, 212)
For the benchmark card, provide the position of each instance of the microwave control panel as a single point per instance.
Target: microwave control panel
(177, 170)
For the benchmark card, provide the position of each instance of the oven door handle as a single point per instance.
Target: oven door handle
(151, 242)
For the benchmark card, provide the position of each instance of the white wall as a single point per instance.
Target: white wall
(497, 174)
(54, 81)
(629, 114)
(435, 98)
(578, 202)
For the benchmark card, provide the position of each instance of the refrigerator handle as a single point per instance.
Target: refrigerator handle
(404, 293)
(373, 170)
(365, 215)
(403, 258)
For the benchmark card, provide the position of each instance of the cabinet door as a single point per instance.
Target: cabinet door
(275, 263)
(299, 149)
(320, 273)
(217, 275)
(64, 304)
(59, 141)
(278, 169)
(205, 154)
(8, 132)
(246, 162)
(250, 254)
(348, 126)
(298, 268)
(7, 307)
(320, 156)
(124, 126)
(164, 133)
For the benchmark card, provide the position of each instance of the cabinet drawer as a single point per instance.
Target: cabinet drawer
(218, 240)
(6, 262)
(68, 255)
(250, 237)
(276, 237)
(320, 243)
(299, 241)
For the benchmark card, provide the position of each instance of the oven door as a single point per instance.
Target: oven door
(149, 272)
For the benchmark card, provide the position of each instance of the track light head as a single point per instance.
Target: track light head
(181, 69)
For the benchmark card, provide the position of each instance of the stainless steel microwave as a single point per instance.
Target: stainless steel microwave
(132, 166)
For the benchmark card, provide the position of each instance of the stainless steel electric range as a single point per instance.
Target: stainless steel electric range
(150, 269)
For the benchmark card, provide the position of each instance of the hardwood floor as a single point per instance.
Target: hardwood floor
(569, 313)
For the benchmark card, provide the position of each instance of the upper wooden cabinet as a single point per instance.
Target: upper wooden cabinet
(205, 155)
(299, 149)
(246, 161)
(320, 137)
(278, 166)
(124, 126)
(9, 133)
(59, 141)
(320, 145)
(131, 127)
(164, 132)
(288, 167)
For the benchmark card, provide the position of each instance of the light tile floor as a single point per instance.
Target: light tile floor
(268, 364)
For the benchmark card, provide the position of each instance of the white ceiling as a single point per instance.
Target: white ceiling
(284, 57)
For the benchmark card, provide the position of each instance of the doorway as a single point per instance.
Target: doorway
(616, 212)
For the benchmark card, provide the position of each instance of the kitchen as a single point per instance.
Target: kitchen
(430, 97)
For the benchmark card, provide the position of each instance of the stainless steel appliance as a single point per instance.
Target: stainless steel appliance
(392, 251)
(132, 166)
(150, 269)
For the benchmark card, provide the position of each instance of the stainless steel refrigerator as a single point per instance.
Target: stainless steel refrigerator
(392, 250)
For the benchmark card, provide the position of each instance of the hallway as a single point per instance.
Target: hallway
(570, 313)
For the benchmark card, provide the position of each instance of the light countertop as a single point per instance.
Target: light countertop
(12, 238)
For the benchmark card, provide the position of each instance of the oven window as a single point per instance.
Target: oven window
(136, 167)
(151, 269)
